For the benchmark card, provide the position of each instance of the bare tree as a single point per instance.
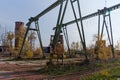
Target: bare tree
(10, 37)
(31, 39)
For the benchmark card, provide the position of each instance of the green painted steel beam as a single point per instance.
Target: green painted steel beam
(57, 3)
(95, 14)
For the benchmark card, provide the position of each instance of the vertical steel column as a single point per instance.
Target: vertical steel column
(82, 36)
(77, 21)
(39, 36)
(109, 32)
(99, 25)
(38, 32)
(102, 26)
(59, 23)
(111, 36)
(20, 52)
(81, 25)
(66, 38)
(58, 26)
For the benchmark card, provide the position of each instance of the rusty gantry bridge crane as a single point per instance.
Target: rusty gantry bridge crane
(60, 25)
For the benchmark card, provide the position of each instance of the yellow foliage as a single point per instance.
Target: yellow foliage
(55, 56)
(14, 53)
(29, 54)
(38, 52)
(20, 40)
(103, 52)
(104, 73)
(19, 34)
(26, 46)
(10, 35)
(64, 56)
(59, 49)
(109, 52)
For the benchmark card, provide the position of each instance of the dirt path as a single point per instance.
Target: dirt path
(19, 70)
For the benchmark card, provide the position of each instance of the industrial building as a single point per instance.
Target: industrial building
(19, 33)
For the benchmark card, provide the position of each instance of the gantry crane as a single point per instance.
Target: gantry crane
(35, 20)
(99, 13)
(60, 23)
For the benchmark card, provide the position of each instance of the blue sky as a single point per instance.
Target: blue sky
(22, 10)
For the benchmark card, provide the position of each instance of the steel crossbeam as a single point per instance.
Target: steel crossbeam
(94, 14)
(32, 19)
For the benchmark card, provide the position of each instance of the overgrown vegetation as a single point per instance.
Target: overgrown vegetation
(107, 74)
(57, 70)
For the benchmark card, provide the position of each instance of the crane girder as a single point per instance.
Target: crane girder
(32, 19)
(99, 12)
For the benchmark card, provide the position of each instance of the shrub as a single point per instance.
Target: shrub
(55, 56)
(38, 52)
(104, 73)
(28, 54)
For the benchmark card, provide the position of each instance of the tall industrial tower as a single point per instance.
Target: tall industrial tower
(19, 34)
